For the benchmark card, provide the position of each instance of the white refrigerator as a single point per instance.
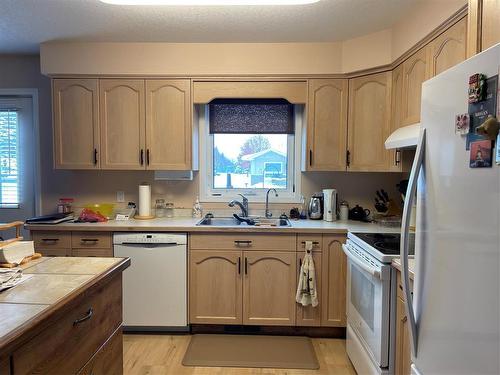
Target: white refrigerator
(454, 315)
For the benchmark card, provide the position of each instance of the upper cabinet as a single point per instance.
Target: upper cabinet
(414, 74)
(76, 123)
(327, 125)
(122, 124)
(449, 48)
(168, 124)
(369, 122)
(490, 24)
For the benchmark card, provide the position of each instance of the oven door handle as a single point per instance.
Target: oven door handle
(372, 271)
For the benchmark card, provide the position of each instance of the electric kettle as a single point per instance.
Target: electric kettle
(316, 206)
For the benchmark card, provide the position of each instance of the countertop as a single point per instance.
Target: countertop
(53, 281)
(396, 263)
(189, 225)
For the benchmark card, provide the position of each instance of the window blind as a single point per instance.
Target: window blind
(9, 158)
(251, 116)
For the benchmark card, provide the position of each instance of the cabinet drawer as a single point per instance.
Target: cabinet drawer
(243, 241)
(316, 239)
(85, 240)
(400, 287)
(103, 253)
(52, 240)
(5, 366)
(109, 359)
(67, 345)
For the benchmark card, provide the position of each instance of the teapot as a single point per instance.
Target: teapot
(359, 213)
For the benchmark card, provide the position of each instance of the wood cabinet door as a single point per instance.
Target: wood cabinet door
(334, 266)
(414, 74)
(369, 122)
(269, 288)
(490, 23)
(449, 48)
(308, 316)
(215, 290)
(395, 161)
(76, 123)
(122, 124)
(327, 125)
(403, 350)
(168, 124)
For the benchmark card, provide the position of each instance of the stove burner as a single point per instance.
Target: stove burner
(387, 246)
(386, 243)
(382, 236)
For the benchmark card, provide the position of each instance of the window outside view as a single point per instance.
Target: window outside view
(9, 158)
(250, 161)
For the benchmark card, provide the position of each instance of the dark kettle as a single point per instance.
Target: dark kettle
(358, 213)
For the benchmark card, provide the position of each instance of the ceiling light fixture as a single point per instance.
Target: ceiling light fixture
(209, 2)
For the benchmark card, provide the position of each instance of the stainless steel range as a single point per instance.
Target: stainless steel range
(371, 293)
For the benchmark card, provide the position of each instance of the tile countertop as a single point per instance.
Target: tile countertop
(189, 225)
(52, 280)
(396, 263)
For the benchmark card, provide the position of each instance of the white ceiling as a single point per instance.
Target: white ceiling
(24, 24)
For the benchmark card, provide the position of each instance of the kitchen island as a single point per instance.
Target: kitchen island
(65, 318)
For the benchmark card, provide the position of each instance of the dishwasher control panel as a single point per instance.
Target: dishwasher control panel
(150, 238)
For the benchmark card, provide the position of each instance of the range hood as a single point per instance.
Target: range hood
(405, 137)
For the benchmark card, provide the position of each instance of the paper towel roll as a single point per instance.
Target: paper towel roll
(144, 200)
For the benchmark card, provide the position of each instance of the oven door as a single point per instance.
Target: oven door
(368, 302)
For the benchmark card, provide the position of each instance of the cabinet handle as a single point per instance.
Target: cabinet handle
(84, 240)
(242, 242)
(141, 157)
(87, 316)
(50, 239)
(405, 318)
(95, 156)
(397, 157)
(239, 265)
(314, 242)
(246, 266)
(348, 157)
(147, 156)
(300, 264)
(310, 158)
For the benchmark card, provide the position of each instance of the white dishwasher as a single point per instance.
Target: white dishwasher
(155, 284)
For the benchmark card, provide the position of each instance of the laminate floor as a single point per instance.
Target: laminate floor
(162, 354)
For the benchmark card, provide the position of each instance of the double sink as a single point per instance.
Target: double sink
(233, 222)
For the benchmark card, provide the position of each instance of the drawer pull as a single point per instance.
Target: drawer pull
(314, 243)
(86, 317)
(89, 240)
(243, 242)
(50, 239)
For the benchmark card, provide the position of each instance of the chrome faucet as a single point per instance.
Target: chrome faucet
(243, 205)
(269, 213)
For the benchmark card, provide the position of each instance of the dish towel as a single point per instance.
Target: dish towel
(306, 288)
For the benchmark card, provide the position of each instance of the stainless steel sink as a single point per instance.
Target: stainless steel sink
(232, 222)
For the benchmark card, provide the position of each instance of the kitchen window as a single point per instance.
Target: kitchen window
(250, 146)
(9, 160)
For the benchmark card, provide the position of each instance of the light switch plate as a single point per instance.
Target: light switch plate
(120, 196)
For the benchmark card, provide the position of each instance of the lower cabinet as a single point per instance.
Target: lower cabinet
(76, 244)
(108, 360)
(242, 287)
(269, 288)
(403, 348)
(334, 271)
(251, 285)
(215, 287)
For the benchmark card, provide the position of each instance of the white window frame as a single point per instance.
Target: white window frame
(209, 194)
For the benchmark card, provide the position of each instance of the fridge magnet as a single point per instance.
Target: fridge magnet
(480, 154)
(479, 112)
(462, 124)
(489, 128)
(476, 87)
(497, 153)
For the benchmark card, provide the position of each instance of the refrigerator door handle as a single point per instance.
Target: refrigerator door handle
(405, 228)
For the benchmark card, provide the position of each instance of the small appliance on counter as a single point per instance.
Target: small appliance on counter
(359, 213)
(330, 204)
(316, 206)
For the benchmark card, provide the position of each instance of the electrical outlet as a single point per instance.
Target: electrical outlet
(120, 196)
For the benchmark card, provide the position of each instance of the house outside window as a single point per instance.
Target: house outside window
(250, 147)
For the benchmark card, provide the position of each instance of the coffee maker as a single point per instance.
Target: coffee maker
(329, 204)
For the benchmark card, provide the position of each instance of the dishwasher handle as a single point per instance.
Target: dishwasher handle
(150, 244)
